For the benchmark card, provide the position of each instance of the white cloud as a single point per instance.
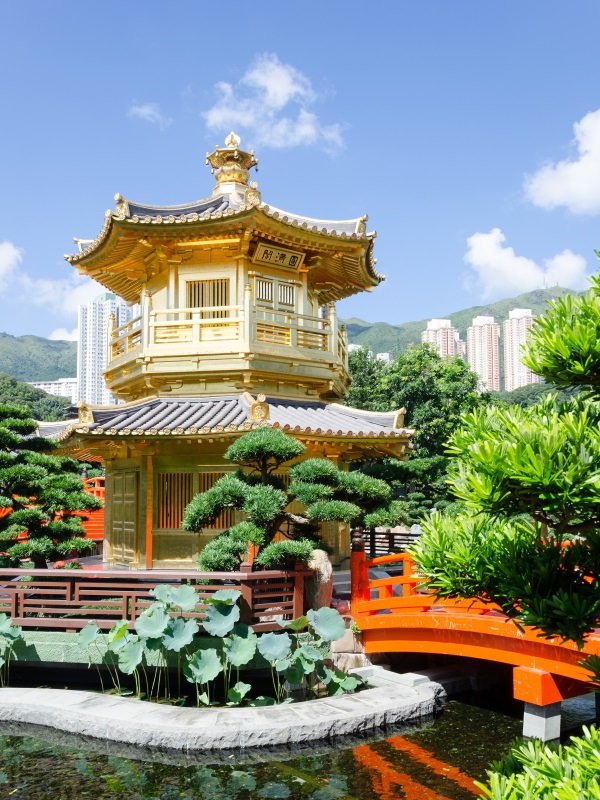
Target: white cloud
(271, 103)
(10, 258)
(61, 298)
(62, 334)
(573, 183)
(501, 272)
(150, 112)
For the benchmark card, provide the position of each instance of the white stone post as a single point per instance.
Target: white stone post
(542, 722)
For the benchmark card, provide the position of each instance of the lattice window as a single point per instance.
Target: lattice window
(286, 294)
(176, 489)
(264, 290)
(208, 294)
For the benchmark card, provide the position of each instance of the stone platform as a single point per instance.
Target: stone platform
(393, 699)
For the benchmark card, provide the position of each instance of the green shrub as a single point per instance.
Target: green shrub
(315, 470)
(395, 513)
(268, 446)
(309, 493)
(285, 554)
(222, 554)
(326, 510)
(534, 770)
(263, 504)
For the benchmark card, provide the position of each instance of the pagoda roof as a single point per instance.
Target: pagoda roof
(340, 251)
(193, 416)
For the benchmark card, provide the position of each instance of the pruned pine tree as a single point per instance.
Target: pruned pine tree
(38, 495)
(530, 480)
(256, 490)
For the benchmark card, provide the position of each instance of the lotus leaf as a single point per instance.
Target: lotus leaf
(294, 672)
(327, 623)
(117, 636)
(237, 693)
(8, 630)
(179, 633)
(310, 652)
(152, 622)
(296, 625)
(225, 596)
(274, 646)
(130, 656)
(203, 666)
(220, 618)
(240, 646)
(185, 597)
(162, 592)
(87, 635)
(263, 700)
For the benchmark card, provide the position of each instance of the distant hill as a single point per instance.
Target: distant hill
(31, 358)
(382, 337)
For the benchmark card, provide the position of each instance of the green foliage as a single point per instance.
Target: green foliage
(396, 513)
(328, 494)
(285, 554)
(535, 770)
(223, 553)
(435, 392)
(10, 635)
(325, 510)
(543, 460)
(163, 633)
(38, 404)
(315, 470)
(529, 481)
(43, 492)
(565, 344)
(264, 504)
(264, 449)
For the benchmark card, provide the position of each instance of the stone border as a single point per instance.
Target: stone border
(393, 699)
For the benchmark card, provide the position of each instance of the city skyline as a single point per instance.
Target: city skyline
(489, 190)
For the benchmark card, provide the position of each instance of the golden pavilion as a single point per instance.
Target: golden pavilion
(237, 328)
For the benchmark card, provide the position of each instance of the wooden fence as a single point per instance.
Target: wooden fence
(383, 541)
(66, 600)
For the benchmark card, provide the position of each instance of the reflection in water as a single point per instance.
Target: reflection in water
(432, 762)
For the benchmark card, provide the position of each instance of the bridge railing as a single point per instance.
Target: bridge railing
(400, 589)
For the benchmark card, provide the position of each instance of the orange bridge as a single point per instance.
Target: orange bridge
(395, 616)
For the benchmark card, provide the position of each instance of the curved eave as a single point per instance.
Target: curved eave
(103, 259)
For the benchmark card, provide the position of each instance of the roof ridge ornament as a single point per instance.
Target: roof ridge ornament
(230, 165)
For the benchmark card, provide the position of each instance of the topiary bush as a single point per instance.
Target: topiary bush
(327, 493)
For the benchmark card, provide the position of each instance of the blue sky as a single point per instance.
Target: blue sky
(468, 131)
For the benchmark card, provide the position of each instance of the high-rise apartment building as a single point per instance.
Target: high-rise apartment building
(92, 348)
(516, 332)
(483, 352)
(63, 387)
(444, 338)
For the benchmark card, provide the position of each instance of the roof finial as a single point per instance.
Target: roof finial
(232, 141)
(230, 165)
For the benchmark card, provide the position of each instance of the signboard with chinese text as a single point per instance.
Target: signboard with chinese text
(277, 257)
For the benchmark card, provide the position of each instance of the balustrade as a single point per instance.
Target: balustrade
(62, 600)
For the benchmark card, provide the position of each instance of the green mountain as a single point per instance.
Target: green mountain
(382, 337)
(31, 358)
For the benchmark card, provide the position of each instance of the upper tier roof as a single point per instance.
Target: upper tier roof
(234, 204)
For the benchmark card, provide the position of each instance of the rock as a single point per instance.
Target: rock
(319, 587)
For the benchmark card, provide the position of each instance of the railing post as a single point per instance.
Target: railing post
(298, 598)
(246, 600)
(359, 572)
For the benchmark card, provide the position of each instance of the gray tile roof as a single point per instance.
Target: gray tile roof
(200, 415)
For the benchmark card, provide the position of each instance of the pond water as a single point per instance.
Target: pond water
(436, 761)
